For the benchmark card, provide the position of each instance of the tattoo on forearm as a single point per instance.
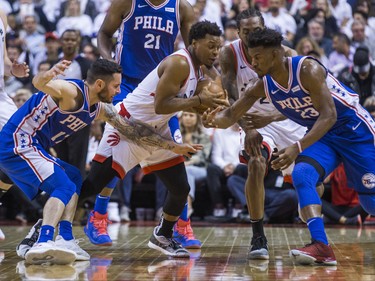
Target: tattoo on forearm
(136, 131)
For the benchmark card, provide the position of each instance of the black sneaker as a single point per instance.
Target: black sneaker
(30, 239)
(167, 246)
(259, 248)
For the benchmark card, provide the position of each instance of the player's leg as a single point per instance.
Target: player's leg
(100, 175)
(254, 191)
(312, 166)
(175, 180)
(65, 237)
(5, 184)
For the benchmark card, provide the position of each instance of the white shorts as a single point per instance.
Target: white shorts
(126, 155)
(279, 135)
(7, 108)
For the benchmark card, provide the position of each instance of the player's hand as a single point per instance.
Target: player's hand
(208, 117)
(253, 143)
(212, 100)
(186, 149)
(20, 69)
(256, 120)
(59, 68)
(285, 157)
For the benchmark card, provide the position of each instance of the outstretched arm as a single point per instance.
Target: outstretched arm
(227, 117)
(143, 134)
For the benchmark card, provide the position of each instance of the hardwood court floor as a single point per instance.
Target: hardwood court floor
(222, 257)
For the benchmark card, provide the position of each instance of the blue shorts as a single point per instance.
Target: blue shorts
(354, 145)
(31, 166)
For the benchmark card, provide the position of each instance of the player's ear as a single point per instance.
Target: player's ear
(99, 83)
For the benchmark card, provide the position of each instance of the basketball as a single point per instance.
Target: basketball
(214, 87)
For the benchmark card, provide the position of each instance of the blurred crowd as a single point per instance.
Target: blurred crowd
(339, 33)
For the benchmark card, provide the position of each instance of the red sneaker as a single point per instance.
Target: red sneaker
(314, 253)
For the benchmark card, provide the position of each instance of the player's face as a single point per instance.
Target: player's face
(249, 25)
(207, 49)
(261, 60)
(111, 89)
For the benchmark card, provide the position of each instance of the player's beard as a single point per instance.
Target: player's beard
(103, 96)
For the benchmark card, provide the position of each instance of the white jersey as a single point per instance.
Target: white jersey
(7, 106)
(276, 134)
(140, 103)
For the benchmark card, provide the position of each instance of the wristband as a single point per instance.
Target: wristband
(299, 146)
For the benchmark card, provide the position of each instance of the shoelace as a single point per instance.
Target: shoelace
(100, 225)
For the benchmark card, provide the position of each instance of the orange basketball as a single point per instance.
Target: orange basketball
(213, 86)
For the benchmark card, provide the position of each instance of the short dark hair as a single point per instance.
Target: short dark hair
(249, 13)
(102, 69)
(201, 28)
(266, 37)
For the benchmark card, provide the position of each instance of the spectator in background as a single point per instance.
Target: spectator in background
(12, 84)
(74, 19)
(51, 52)
(306, 45)
(359, 37)
(230, 31)
(21, 96)
(280, 200)
(344, 207)
(360, 77)
(90, 52)
(330, 24)
(32, 39)
(315, 30)
(342, 56)
(88, 7)
(342, 12)
(224, 160)
(277, 18)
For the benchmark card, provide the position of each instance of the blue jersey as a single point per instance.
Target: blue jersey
(41, 122)
(350, 140)
(295, 102)
(147, 36)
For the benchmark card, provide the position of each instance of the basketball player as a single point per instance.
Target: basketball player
(236, 74)
(169, 88)
(59, 109)
(147, 33)
(339, 130)
(7, 68)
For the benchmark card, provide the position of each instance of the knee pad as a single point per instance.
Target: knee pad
(368, 203)
(305, 178)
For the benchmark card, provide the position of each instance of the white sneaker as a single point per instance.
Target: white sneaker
(48, 252)
(124, 213)
(236, 212)
(2, 236)
(220, 212)
(81, 254)
(30, 239)
(113, 212)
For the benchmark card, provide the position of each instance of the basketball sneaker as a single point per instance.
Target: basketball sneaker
(96, 229)
(258, 248)
(183, 234)
(30, 239)
(314, 253)
(49, 252)
(72, 245)
(2, 236)
(167, 246)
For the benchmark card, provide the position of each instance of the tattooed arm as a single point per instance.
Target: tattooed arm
(140, 133)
